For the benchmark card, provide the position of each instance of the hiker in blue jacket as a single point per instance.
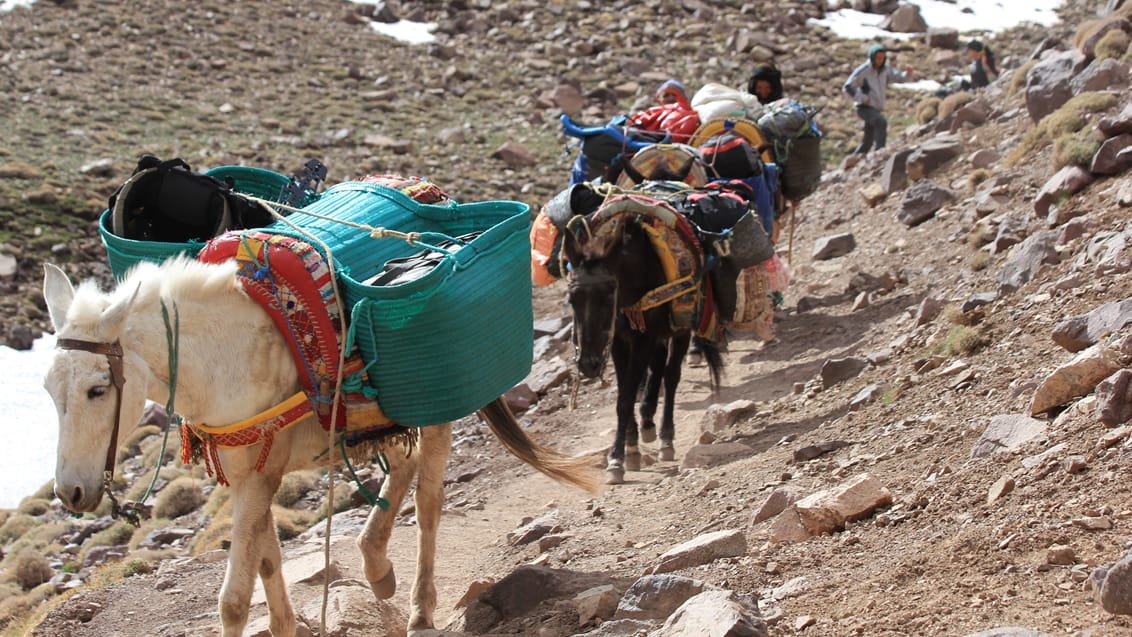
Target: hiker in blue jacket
(866, 85)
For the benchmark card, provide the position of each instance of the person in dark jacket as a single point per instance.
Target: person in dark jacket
(765, 83)
(983, 69)
(866, 85)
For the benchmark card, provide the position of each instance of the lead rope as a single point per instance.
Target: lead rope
(334, 403)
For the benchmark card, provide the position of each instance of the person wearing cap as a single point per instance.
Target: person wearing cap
(983, 69)
(673, 113)
(765, 83)
(866, 85)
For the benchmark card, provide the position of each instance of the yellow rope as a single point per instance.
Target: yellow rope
(375, 232)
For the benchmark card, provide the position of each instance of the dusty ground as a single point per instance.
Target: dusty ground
(940, 561)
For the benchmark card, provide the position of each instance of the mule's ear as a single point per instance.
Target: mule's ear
(686, 169)
(113, 318)
(633, 173)
(570, 245)
(58, 293)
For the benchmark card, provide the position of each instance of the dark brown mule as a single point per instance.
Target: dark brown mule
(606, 278)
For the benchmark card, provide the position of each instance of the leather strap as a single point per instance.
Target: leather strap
(113, 354)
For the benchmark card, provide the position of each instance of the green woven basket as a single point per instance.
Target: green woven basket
(124, 253)
(442, 346)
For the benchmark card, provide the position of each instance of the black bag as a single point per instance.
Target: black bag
(166, 201)
(731, 156)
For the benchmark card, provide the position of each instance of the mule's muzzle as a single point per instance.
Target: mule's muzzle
(78, 499)
(591, 366)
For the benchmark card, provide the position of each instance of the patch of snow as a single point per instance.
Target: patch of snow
(967, 16)
(29, 425)
(407, 31)
(8, 5)
(927, 86)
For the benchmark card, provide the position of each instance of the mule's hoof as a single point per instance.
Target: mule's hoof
(648, 434)
(385, 587)
(632, 462)
(667, 453)
(615, 475)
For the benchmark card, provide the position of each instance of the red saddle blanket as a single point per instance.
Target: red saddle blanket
(292, 281)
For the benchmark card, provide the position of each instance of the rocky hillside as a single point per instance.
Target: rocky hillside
(934, 442)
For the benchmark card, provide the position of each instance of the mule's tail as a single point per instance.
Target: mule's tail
(578, 472)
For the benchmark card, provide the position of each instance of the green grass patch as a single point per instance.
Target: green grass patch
(1074, 149)
(960, 340)
(1113, 45)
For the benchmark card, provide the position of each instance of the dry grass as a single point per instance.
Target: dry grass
(977, 177)
(1113, 45)
(1072, 117)
(342, 491)
(954, 102)
(1074, 149)
(927, 109)
(294, 486)
(32, 569)
(117, 534)
(291, 522)
(16, 526)
(959, 340)
(978, 260)
(179, 497)
(34, 506)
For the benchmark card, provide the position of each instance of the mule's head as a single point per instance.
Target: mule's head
(593, 287)
(81, 384)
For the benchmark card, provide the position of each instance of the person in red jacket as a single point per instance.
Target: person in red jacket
(673, 114)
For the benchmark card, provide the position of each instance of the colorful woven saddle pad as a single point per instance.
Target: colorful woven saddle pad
(291, 280)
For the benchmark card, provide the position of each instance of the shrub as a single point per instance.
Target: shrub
(179, 497)
(961, 339)
(290, 522)
(16, 526)
(138, 435)
(954, 102)
(977, 176)
(218, 501)
(32, 569)
(45, 492)
(294, 486)
(1077, 150)
(34, 506)
(116, 534)
(214, 536)
(342, 492)
(1113, 44)
(1070, 118)
(136, 567)
(927, 109)
(978, 260)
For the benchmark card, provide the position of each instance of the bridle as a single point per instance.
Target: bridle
(580, 279)
(113, 353)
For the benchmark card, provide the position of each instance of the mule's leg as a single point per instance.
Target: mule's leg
(677, 349)
(631, 353)
(374, 538)
(254, 549)
(436, 442)
(652, 394)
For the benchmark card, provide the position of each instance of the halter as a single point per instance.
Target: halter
(113, 354)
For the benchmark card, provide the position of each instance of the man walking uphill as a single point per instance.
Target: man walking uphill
(866, 85)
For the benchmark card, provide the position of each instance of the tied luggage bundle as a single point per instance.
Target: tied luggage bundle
(796, 138)
(453, 327)
(605, 148)
(165, 208)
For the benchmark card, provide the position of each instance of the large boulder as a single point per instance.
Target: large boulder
(1113, 125)
(906, 19)
(1114, 399)
(1025, 260)
(922, 201)
(895, 175)
(928, 157)
(1064, 183)
(1089, 45)
(1076, 378)
(1083, 330)
(943, 38)
(1008, 432)
(1111, 158)
(1049, 82)
(834, 246)
(1101, 75)
(715, 613)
